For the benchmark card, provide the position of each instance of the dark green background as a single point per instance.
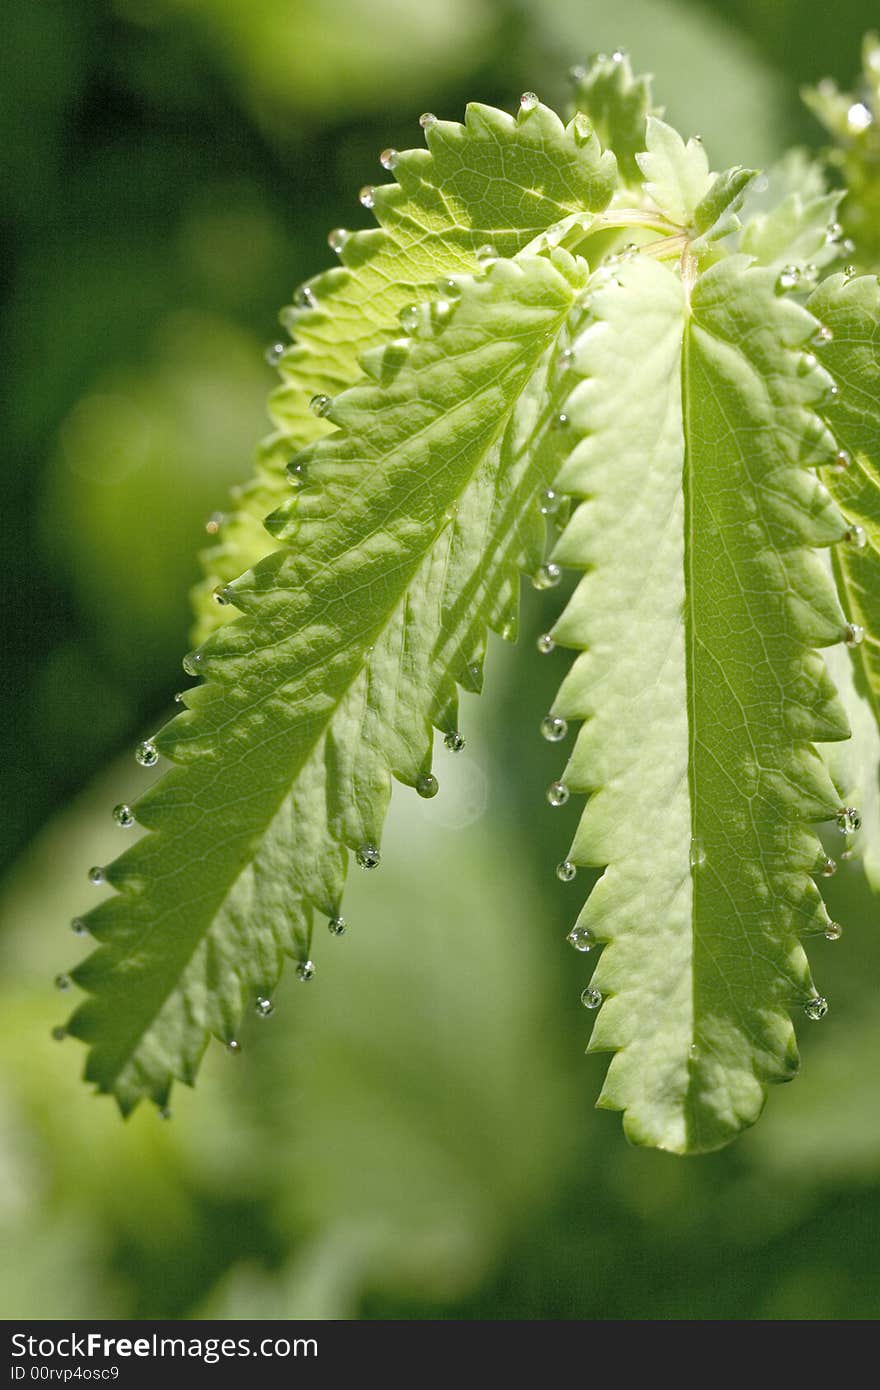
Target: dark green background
(414, 1135)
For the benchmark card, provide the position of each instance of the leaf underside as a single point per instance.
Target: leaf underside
(677, 405)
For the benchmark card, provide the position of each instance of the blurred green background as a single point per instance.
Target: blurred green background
(414, 1134)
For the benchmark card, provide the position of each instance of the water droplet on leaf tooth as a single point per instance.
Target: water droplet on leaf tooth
(454, 741)
(822, 336)
(827, 867)
(547, 577)
(849, 820)
(410, 318)
(97, 876)
(367, 196)
(697, 853)
(486, 253)
(233, 1045)
(388, 159)
(557, 793)
(853, 635)
(305, 971)
(591, 998)
(849, 272)
(336, 926)
(62, 982)
(841, 461)
(337, 239)
(297, 472)
(581, 938)
(566, 871)
(816, 1008)
(577, 74)
(123, 816)
(59, 1032)
(561, 421)
(214, 522)
(305, 298)
(321, 405)
(427, 119)
(858, 117)
(788, 279)
(834, 232)
(550, 502)
(807, 363)
(553, 728)
(146, 754)
(833, 931)
(545, 644)
(274, 353)
(427, 785)
(368, 856)
(857, 536)
(192, 663)
(78, 927)
(527, 102)
(264, 1006)
(164, 1112)
(222, 595)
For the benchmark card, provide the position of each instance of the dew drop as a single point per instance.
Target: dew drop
(305, 971)
(553, 728)
(62, 982)
(192, 663)
(546, 577)
(835, 232)
(527, 102)
(214, 522)
(410, 318)
(274, 353)
(486, 253)
(618, 55)
(474, 673)
(788, 279)
(178, 697)
(123, 816)
(857, 536)
(849, 270)
(146, 754)
(550, 502)
(807, 363)
(557, 793)
(336, 926)
(853, 634)
(577, 74)
(427, 119)
(591, 998)
(321, 405)
(368, 856)
(388, 158)
(841, 461)
(858, 117)
(581, 938)
(427, 785)
(582, 127)
(565, 872)
(545, 644)
(822, 336)
(233, 1045)
(833, 931)
(222, 595)
(849, 820)
(78, 927)
(816, 1008)
(454, 741)
(164, 1112)
(337, 238)
(305, 298)
(297, 472)
(827, 867)
(367, 196)
(59, 1032)
(97, 876)
(697, 853)
(264, 1006)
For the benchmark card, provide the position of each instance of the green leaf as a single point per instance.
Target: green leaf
(849, 309)
(715, 216)
(676, 175)
(482, 189)
(618, 105)
(698, 430)
(406, 541)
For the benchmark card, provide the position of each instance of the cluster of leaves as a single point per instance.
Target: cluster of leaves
(564, 346)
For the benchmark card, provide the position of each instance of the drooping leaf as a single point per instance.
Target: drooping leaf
(699, 688)
(418, 514)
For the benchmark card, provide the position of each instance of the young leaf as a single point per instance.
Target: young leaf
(618, 105)
(698, 428)
(406, 542)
